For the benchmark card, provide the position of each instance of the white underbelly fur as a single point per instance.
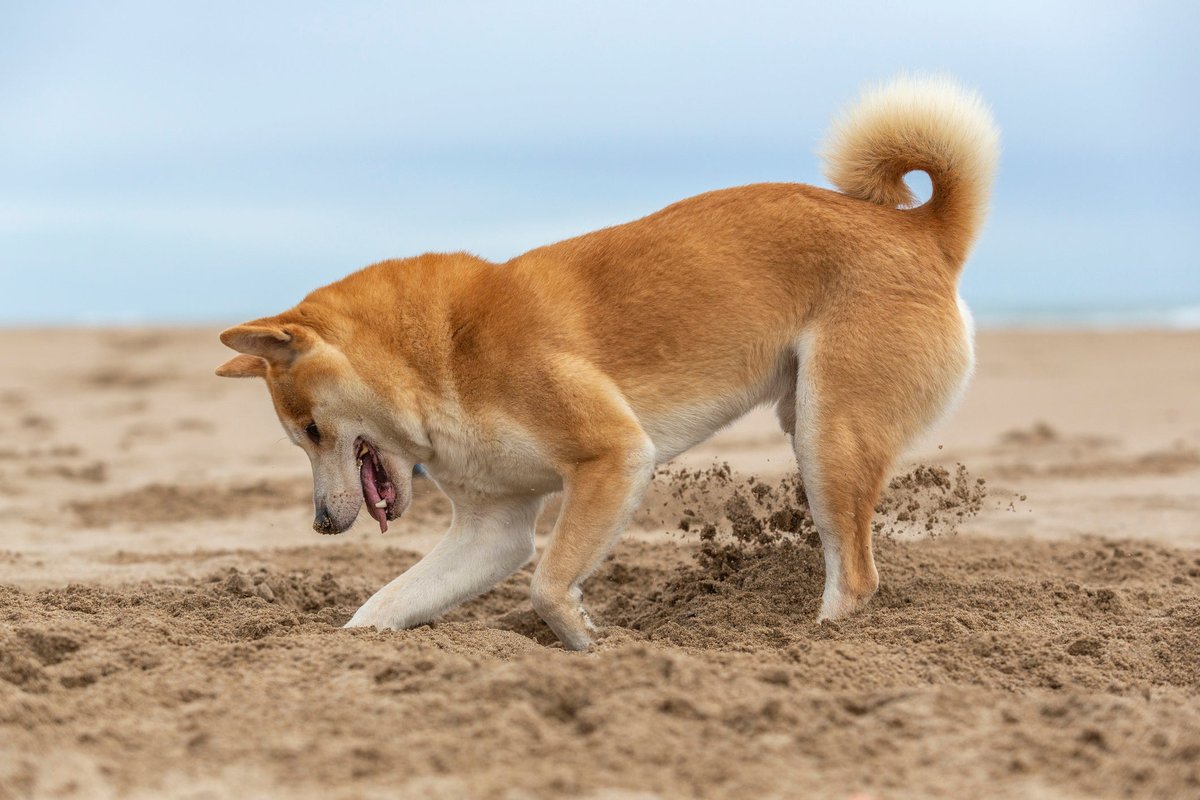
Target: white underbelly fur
(684, 427)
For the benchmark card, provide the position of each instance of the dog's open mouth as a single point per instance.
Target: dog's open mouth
(379, 492)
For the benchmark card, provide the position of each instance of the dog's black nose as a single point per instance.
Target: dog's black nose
(323, 523)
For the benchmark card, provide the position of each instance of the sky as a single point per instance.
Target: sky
(212, 162)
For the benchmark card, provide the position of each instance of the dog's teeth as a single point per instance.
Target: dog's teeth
(381, 504)
(363, 450)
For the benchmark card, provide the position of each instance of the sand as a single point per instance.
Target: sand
(169, 621)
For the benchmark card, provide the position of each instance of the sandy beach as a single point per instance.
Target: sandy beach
(169, 622)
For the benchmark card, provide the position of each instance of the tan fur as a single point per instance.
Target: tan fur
(581, 365)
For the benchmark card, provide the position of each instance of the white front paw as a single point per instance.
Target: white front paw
(369, 616)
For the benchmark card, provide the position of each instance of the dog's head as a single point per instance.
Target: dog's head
(363, 443)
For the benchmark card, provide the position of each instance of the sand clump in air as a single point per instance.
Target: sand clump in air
(737, 516)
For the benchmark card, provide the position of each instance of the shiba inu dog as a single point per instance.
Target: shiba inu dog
(582, 365)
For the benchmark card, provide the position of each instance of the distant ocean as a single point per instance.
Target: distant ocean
(1185, 317)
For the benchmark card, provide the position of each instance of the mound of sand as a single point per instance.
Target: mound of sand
(1010, 667)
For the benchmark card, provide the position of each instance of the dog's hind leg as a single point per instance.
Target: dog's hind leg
(486, 543)
(843, 462)
(842, 483)
(859, 400)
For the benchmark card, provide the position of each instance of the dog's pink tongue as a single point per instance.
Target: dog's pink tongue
(371, 493)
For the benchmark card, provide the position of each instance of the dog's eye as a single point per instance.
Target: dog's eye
(313, 433)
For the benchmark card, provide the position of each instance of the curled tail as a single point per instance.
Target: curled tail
(930, 124)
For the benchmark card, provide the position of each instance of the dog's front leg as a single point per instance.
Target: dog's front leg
(601, 496)
(486, 543)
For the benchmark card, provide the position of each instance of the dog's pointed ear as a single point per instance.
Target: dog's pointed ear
(268, 339)
(243, 366)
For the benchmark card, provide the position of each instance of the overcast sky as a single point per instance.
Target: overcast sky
(214, 161)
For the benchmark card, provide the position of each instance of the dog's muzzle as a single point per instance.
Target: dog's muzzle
(323, 522)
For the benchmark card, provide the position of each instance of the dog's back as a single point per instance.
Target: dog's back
(701, 298)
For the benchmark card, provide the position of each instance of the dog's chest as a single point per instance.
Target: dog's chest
(504, 461)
